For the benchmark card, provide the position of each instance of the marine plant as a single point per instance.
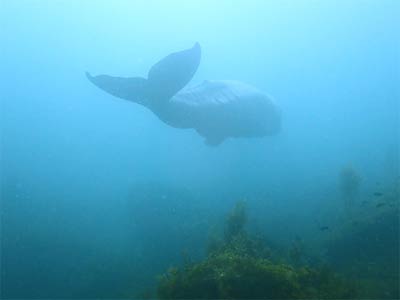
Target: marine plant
(236, 221)
(296, 252)
(349, 185)
(242, 267)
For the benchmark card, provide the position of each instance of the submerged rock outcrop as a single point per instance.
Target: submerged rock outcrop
(241, 266)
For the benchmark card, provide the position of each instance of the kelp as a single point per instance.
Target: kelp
(241, 267)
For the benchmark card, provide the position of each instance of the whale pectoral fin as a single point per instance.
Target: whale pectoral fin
(214, 140)
(133, 89)
(173, 72)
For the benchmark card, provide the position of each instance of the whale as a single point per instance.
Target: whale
(215, 109)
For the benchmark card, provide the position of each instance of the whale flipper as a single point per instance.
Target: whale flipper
(214, 140)
(165, 78)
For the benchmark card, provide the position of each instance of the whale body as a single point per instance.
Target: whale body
(215, 109)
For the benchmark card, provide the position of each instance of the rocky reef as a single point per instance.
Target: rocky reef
(241, 266)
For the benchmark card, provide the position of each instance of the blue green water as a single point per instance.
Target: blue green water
(99, 197)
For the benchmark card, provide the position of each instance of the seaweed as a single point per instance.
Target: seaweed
(349, 184)
(241, 267)
(236, 221)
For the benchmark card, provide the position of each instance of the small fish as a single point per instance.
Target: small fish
(380, 205)
(378, 194)
(323, 228)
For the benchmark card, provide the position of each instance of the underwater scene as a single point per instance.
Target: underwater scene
(199, 149)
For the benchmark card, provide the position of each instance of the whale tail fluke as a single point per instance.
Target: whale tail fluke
(133, 89)
(172, 73)
(165, 78)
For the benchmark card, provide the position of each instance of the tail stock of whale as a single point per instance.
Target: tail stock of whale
(164, 80)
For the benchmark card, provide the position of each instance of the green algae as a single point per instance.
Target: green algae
(229, 275)
(241, 267)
